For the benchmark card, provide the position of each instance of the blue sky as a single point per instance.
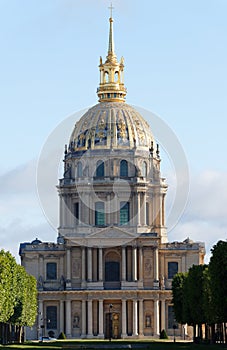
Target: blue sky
(175, 66)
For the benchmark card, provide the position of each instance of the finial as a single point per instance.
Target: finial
(66, 149)
(111, 10)
(111, 40)
(157, 151)
(151, 148)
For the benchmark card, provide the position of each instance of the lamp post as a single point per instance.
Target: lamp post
(110, 322)
(184, 332)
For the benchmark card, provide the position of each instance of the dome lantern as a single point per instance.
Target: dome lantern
(111, 87)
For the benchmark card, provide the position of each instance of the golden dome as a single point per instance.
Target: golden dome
(111, 125)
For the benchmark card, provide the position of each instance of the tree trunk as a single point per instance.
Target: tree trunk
(194, 333)
(225, 332)
(20, 333)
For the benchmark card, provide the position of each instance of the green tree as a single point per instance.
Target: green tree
(194, 291)
(178, 296)
(7, 291)
(25, 308)
(7, 285)
(218, 276)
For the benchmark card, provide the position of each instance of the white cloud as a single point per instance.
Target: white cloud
(205, 217)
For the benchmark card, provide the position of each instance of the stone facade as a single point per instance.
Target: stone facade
(82, 296)
(111, 270)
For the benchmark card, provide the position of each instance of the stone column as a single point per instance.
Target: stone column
(61, 311)
(163, 314)
(101, 334)
(41, 318)
(100, 265)
(156, 318)
(138, 208)
(68, 269)
(123, 263)
(89, 264)
(141, 321)
(134, 264)
(83, 331)
(124, 318)
(83, 267)
(108, 216)
(141, 264)
(156, 265)
(156, 270)
(144, 209)
(61, 212)
(90, 319)
(41, 267)
(135, 318)
(68, 318)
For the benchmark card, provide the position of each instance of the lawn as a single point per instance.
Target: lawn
(114, 345)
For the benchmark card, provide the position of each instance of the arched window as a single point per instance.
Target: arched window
(116, 77)
(112, 267)
(124, 168)
(144, 169)
(106, 77)
(79, 169)
(100, 172)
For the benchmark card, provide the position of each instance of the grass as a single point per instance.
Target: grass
(114, 345)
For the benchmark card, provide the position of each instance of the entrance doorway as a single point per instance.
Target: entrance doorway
(112, 329)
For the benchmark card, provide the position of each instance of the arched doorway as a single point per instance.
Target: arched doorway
(112, 271)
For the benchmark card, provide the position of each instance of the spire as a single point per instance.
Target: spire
(111, 87)
(111, 39)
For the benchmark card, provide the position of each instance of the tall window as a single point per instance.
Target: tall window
(144, 169)
(76, 212)
(124, 213)
(147, 213)
(112, 271)
(100, 169)
(51, 319)
(99, 214)
(79, 169)
(171, 318)
(172, 269)
(51, 272)
(124, 168)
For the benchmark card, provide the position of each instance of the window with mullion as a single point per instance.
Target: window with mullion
(99, 214)
(124, 213)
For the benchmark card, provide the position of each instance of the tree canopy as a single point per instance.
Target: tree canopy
(18, 294)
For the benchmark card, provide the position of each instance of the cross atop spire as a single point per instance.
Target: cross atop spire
(111, 10)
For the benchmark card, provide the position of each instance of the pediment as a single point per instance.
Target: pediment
(112, 232)
(106, 237)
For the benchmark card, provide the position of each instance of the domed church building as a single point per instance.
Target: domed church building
(109, 275)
